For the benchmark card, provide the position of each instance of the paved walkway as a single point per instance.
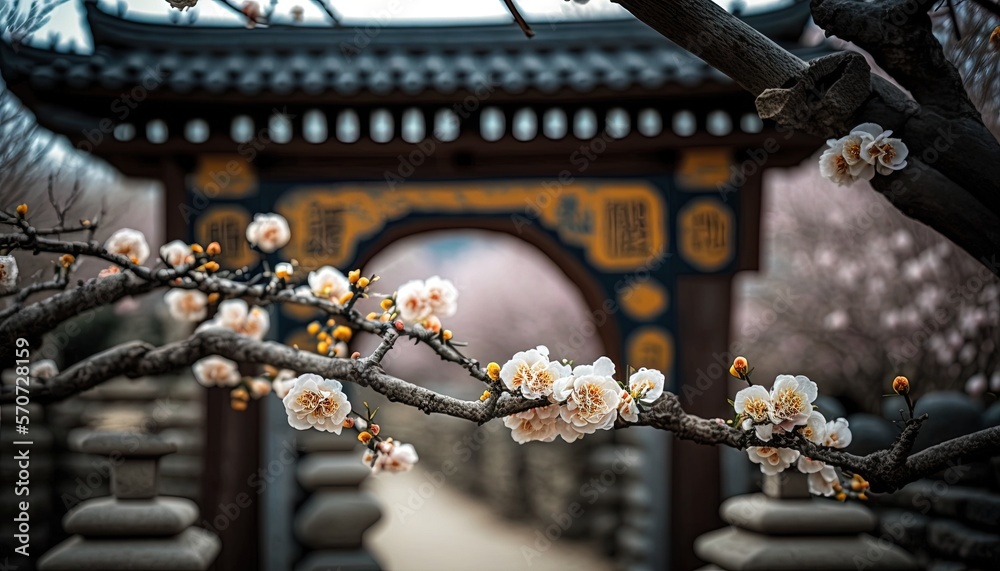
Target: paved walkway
(430, 528)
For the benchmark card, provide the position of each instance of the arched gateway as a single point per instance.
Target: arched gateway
(626, 159)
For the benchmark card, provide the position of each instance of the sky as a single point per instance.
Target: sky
(68, 19)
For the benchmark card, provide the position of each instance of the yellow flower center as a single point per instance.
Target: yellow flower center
(788, 404)
(853, 150)
(756, 408)
(326, 408)
(590, 401)
(539, 381)
(308, 400)
(889, 152)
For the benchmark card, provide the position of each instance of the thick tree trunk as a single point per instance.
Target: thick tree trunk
(952, 183)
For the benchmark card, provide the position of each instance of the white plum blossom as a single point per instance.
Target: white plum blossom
(268, 232)
(592, 397)
(814, 431)
(646, 385)
(8, 274)
(176, 253)
(536, 424)
(216, 371)
(129, 243)
(754, 403)
(853, 148)
(859, 155)
(821, 482)
(837, 434)
(772, 460)
(791, 399)
(186, 304)
(442, 296)
(413, 301)
(235, 315)
(628, 409)
(833, 165)
(329, 283)
(531, 373)
(886, 153)
(391, 456)
(419, 301)
(315, 402)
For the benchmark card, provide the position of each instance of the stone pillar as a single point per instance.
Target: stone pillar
(331, 522)
(785, 529)
(135, 528)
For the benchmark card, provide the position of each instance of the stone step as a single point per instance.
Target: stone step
(757, 512)
(740, 550)
(105, 517)
(328, 470)
(192, 549)
(336, 520)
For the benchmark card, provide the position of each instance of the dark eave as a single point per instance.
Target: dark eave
(280, 63)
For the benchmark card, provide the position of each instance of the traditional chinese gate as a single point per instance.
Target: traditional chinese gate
(632, 164)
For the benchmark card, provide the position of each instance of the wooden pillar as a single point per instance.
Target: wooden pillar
(703, 304)
(231, 481)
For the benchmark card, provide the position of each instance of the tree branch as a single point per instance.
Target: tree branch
(886, 470)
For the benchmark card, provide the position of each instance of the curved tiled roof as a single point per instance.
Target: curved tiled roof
(379, 61)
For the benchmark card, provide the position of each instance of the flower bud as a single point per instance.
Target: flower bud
(374, 429)
(356, 355)
(342, 333)
(209, 267)
(842, 496)
(446, 334)
(213, 297)
(995, 38)
(213, 249)
(363, 283)
(239, 405)
(346, 297)
(739, 368)
(493, 370)
(371, 316)
(66, 260)
(398, 325)
(22, 210)
(313, 328)
(484, 396)
(432, 323)
(197, 249)
(365, 437)
(240, 393)
(284, 270)
(386, 304)
(901, 385)
(353, 276)
(322, 347)
(349, 422)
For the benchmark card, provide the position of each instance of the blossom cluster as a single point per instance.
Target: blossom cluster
(425, 302)
(314, 402)
(867, 149)
(788, 407)
(583, 399)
